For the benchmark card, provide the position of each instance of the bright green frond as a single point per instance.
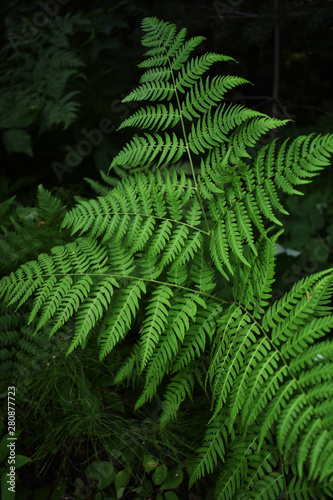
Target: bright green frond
(211, 450)
(154, 323)
(124, 309)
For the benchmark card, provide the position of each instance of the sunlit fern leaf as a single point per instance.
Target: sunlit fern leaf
(144, 151)
(248, 134)
(202, 96)
(143, 213)
(282, 386)
(57, 294)
(182, 316)
(155, 74)
(150, 90)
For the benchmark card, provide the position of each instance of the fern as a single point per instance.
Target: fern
(34, 98)
(180, 263)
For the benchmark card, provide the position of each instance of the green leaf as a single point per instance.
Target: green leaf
(20, 460)
(101, 472)
(174, 478)
(160, 474)
(20, 118)
(170, 495)
(5, 493)
(120, 493)
(121, 481)
(17, 141)
(149, 462)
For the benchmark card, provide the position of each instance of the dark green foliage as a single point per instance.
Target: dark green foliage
(180, 263)
(50, 102)
(27, 230)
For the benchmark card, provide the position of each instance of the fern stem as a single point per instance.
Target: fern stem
(188, 149)
(284, 477)
(227, 288)
(144, 215)
(149, 280)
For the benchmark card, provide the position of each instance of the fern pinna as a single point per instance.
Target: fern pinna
(181, 251)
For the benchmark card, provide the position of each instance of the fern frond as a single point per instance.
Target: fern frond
(246, 464)
(195, 339)
(177, 259)
(305, 489)
(57, 293)
(202, 96)
(212, 449)
(155, 321)
(142, 151)
(131, 364)
(156, 118)
(180, 387)
(252, 284)
(123, 311)
(91, 309)
(197, 67)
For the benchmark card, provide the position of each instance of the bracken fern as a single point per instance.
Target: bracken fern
(184, 257)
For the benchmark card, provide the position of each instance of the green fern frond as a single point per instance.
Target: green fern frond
(155, 321)
(123, 310)
(252, 284)
(130, 366)
(180, 387)
(153, 118)
(197, 67)
(212, 449)
(195, 339)
(246, 464)
(202, 96)
(172, 268)
(305, 489)
(50, 208)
